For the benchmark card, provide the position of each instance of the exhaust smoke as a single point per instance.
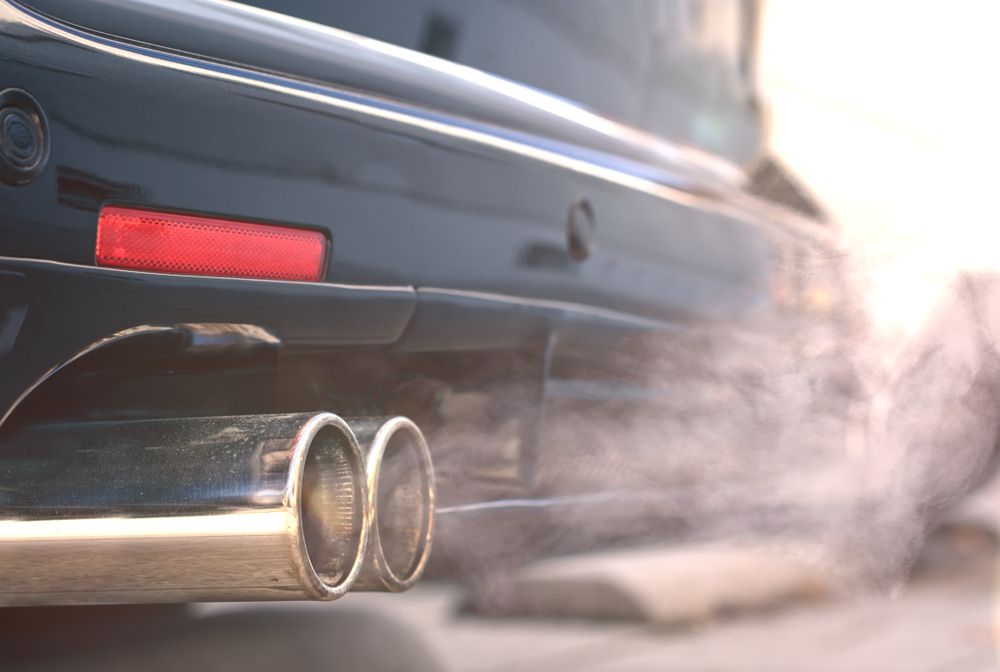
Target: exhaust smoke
(810, 431)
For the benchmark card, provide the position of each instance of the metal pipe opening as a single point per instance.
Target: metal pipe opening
(401, 502)
(332, 505)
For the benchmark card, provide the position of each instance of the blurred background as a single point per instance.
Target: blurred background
(884, 111)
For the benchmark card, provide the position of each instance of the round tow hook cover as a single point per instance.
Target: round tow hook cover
(24, 137)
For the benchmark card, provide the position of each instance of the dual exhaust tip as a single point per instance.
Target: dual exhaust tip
(266, 507)
(384, 464)
(384, 544)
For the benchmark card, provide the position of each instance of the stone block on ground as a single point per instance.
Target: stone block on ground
(675, 586)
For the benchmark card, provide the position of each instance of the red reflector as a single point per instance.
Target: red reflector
(144, 240)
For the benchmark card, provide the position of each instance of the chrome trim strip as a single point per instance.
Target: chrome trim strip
(539, 502)
(566, 110)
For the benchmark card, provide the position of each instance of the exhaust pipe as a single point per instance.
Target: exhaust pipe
(264, 507)
(401, 502)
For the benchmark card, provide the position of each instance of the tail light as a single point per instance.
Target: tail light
(147, 240)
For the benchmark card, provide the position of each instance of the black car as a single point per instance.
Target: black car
(258, 273)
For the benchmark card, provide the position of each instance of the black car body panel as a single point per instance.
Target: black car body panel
(399, 197)
(279, 43)
(446, 196)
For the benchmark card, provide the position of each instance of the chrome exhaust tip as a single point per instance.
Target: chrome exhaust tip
(401, 502)
(328, 487)
(265, 507)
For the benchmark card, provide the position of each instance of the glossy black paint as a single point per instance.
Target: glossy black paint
(679, 69)
(236, 33)
(49, 312)
(403, 204)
